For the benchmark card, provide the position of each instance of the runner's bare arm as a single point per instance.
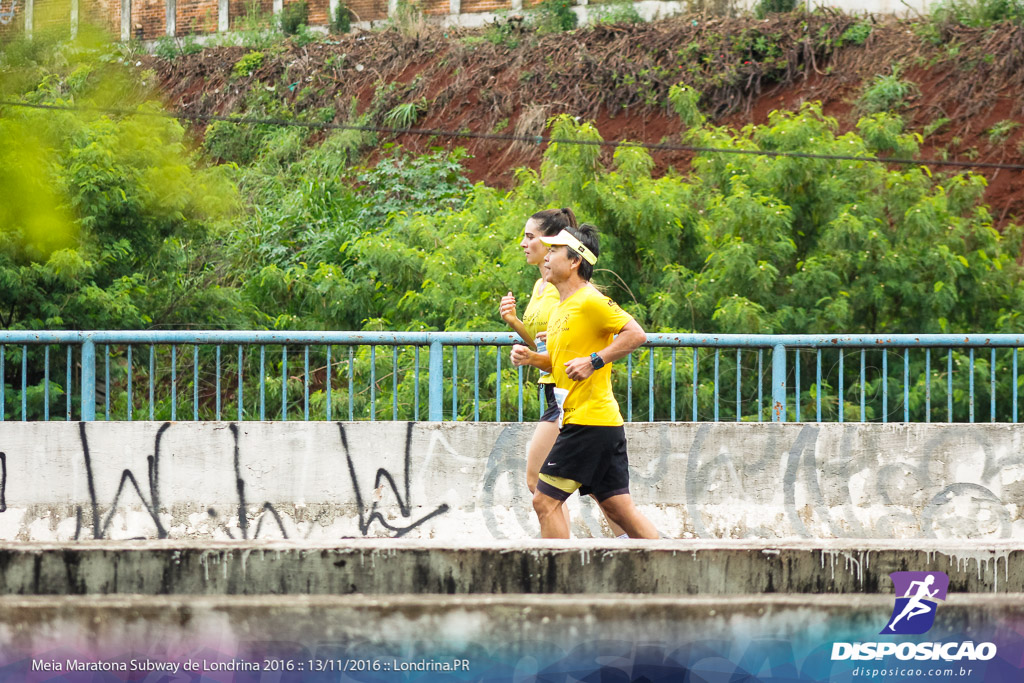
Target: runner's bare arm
(524, 356)
(507, 310)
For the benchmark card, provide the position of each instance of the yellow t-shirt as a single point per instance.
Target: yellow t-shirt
(535, 317)
(585, 323)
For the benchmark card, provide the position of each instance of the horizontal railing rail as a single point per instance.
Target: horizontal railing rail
(822, 378)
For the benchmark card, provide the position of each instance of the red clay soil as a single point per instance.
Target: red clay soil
(612, 75)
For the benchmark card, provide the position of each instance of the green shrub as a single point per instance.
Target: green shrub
(617, 12)
(293, 16)
(249, 63)
(165, 48)
(232, 142)
(978, 13)
(556, 15)
(766, 7)
(885, 93)
(406, 114)
(341, 22)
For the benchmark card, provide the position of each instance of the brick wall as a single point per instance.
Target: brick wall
(148, 17)
(435, 6)
(369, 10)
(196, 16)
(471, 6)
(239, 11)
(12, 17)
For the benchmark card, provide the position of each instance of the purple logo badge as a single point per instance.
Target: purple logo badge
(916, 596)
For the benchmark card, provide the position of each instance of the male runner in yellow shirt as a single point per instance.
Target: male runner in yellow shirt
(589, 454)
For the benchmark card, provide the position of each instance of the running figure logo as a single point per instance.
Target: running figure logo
(916, 595)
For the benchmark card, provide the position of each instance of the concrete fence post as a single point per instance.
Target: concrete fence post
(455, 7)
(278, 7)
(172, 17)
(126, 20)
(74, 19)
(779, 383)
(29, 12)
(435, 394)
(223, 17)
(88, 380)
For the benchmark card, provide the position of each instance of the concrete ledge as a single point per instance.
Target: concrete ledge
(574, 567)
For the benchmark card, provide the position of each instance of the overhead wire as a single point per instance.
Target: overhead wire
(532, 139)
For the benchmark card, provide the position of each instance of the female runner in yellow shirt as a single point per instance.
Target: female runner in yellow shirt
(533, 330)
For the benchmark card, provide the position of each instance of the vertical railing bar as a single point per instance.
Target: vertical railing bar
(695, 362)
(455, 382)
(863, 389)
(174, 382)
(152, 380)
(739, 386)
(796, 379)
(305, 382)
(351, 376)
(130, 373)
(3, 382)
(394, 382)
(928, 385)
(520, 378)
(717, 354)
(373, 382)
(906, 384)
(818, 392)
(673, 400)
(416, 385)
(195, 382)
(885, 385)
(1014, 419)
(106, 382)
(216, 383)
(949, 384)
(24, 382)
(629, 388)
(241, 403)
(842, 397)
(650, 385)
(327, 386)
(992, 397)
(497, 391)
(263, 388)
(88, 381)
(778, 409)
(67, 392)
(760, 385)
(476, 384)
(435, 381)
(284, 382)
(46, 382)
(970, 384)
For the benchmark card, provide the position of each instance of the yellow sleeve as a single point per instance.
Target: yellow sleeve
(607, 315)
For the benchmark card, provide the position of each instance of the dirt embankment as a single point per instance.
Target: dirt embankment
(969, 83)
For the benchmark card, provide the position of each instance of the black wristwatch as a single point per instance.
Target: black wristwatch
(596, 361)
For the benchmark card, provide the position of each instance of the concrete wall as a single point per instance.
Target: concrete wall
(455, 482)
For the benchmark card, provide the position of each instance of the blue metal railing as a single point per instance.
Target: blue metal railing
(108, 366)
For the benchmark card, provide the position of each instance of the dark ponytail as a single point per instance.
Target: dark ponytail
(554, 221)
